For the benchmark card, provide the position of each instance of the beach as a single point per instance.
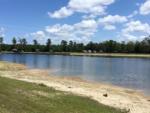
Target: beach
(114, 96)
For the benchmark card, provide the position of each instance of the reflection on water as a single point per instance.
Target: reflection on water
(128, 72)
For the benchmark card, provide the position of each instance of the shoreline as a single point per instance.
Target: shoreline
(111, 55)
(118, 97)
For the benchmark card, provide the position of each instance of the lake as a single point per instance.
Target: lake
(127, 72)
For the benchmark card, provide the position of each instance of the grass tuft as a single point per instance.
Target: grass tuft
(42, 85)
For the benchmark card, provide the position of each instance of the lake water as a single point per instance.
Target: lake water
(127, 72)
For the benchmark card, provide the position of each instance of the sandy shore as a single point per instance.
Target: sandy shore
(118, 97)
(113, 55)
(119, 55)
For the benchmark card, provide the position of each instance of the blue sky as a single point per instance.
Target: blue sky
(81, 21)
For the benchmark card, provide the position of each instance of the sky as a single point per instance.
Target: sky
(77, 20)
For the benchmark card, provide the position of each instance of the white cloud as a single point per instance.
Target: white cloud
(133, 14)
(109, 21)
(2, 31)
(113, 19)
(145, 8)
(109, 27)
(87, 24)
(39, 35)
(80, 32)
(137, 26)
(91, 7)
(135, 30)
(63, 12)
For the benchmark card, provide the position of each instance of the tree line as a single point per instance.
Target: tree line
(109, 46)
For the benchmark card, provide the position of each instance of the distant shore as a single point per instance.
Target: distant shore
(110, 95)
(127, 55)
(113, 55)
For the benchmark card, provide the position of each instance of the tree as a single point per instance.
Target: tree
(64, 45)
(35, 43)
(74, 46)
(22, 43)
(14, 41)
(80, 47)
(71, 46)
(106, 46)
(90, 46)
(48, 44)
(1, 42)
(137, 47)
(145, 45)
(130, 47)
(110, 46)
(123, 47)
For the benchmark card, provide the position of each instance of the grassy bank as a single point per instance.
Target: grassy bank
(21, 97)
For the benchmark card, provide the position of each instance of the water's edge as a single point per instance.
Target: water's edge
(130, 73)
(113, 55)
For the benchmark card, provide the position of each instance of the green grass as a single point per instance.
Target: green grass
(22, 97)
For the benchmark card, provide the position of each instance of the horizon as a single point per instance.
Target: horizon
(95, 21)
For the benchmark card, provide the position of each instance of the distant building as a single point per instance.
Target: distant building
(94, 51)
(14, 50)
(101, 51)
(85, 51)
(89, 51)
(37, 50)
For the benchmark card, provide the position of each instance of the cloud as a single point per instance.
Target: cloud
(145, 8)
(109, 27)
(91, 7)
(135, 30)
(39, 35)
(79, 32)
(133, 14)
(137, 26)
(63, 12)
(86, 24)
(113, 19)
(109, 21)
(2, 31)
(82, 31)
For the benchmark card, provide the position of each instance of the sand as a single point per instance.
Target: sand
(118, 97)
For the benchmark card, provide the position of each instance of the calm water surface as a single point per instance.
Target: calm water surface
(128, 72)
